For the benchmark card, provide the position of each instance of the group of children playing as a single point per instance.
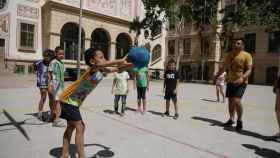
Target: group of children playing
(66, 103)
(50, 81)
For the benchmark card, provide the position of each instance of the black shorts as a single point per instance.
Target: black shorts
(70, 112)
(170, 95)
(234, 90)
(141, 92)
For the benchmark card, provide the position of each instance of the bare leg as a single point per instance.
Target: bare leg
(56, 110)
(175, 105)
(42, 100)
(144, 104)
(139, 105)
(167, 105)
(217, 93)
(238, 107)
(79, 138)
(231, 108)
(66, 139)
(51, 105)
(222, 92)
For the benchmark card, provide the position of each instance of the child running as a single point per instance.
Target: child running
(41, 68)
(73, 97)
(120, 89)
(170, 87)
(56, 84)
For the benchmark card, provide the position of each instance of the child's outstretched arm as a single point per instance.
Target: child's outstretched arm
(122, 67)
(118, 62)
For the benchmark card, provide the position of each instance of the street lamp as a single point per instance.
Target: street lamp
(80, 40)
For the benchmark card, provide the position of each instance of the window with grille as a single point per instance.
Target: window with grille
(171, 47)
(250, 42)
(3, 3)
(156, 53)
(274, 42)
(187, 46)
(27, 35)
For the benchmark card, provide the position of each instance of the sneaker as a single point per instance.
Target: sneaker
(176, 116)
(122, 114)
(229, 123)
(239, 125)
(58, 123)
(166, 113)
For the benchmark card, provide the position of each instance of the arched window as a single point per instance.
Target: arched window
(100, 39)
(156, 53)
(69, 40)
(123, 45)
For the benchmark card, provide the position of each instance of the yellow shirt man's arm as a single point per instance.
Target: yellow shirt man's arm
(248, 66)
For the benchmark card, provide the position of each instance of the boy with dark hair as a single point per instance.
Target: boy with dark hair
(56, 83)
(41, 68)
(170, 87)
(74, 95)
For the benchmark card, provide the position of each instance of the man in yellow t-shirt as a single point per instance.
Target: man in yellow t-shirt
(239, 67)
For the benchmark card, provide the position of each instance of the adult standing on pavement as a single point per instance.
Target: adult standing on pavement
(239, 66)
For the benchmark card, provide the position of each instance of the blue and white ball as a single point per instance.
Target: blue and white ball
(139, 56)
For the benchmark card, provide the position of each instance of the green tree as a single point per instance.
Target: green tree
(202, 13)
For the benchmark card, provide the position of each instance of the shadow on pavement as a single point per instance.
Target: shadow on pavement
(231, 129)
(45, 116)
(264, 152)
(130, 109)
(108, 111)
(209, 100)
(156, 113)
(16, 124)
(104, 153)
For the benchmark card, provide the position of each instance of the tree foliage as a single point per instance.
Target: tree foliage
(201, 12)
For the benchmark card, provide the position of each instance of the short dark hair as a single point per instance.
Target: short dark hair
(89, 53)
(240, 39)
(171, 61)
(49, 53)
(58, 48)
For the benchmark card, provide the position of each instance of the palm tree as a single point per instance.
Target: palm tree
(136, 26)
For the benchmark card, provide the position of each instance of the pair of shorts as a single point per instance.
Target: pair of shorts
(117, 98)
(141, 92)
(70, 112)
(170, 95)
(235, 90)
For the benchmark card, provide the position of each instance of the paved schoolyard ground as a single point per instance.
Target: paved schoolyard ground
(198, 133)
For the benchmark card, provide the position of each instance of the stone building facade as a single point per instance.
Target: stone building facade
(201, 54)
(30, 26)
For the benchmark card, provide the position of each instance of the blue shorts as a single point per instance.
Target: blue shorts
(70, 112)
